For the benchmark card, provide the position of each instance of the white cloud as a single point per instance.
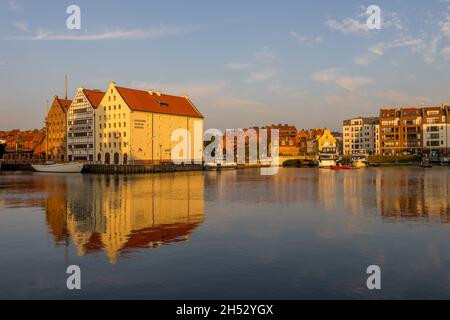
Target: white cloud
(347, 26)
(307, 40)
(446, 53)
(21, 25)
(395, 97)
(13, 5)
(260, 76)
(237, 66)
(333, 76)
(353, 83)
(158, 32)
(279, 89)
(445, 27)
(358, 23)
(328, 75)
(265, 55)
(380, 49)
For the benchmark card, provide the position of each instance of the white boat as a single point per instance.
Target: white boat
(360, 160)
(445, 160)
(327, 160)
(220, 165)
(70, 167)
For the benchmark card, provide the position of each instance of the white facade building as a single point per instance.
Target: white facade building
(81, 125)
(361, 135)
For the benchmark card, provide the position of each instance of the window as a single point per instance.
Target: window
(114, 107)
(124, 124)
(124, 134)
(100, 135)
(109, 107)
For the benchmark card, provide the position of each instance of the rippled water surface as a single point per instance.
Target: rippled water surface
(303, 233)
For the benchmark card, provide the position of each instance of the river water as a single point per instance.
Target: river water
(300, 234)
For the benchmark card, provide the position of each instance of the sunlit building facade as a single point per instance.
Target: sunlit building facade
(135, 126)
(81, 124)
(56, 126)
(361, 136)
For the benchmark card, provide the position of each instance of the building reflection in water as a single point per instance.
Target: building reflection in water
(117, 214)
(393, 193)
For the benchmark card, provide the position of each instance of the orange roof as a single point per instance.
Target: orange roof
(65, 104)
(94, 97)
(139, 100)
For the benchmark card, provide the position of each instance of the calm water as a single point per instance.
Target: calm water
(303, 233)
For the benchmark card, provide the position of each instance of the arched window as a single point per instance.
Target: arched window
(107, 158)
(99, 157)
(125, 159)
(116, 158)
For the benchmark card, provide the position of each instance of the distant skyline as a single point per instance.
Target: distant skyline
(243, 63)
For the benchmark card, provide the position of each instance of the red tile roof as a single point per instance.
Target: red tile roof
(65, 104)
(139, 100)
(94, 97)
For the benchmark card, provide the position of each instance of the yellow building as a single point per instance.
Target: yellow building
(326, 142)
(135, 126)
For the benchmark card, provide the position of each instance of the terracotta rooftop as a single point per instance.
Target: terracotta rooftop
(94, 97)
(139, 100)
(65, 104)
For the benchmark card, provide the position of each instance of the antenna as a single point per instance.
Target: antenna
(65, 84)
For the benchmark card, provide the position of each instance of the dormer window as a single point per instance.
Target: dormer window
(164, 104)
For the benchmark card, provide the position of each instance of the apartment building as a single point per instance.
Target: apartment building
(137, 126)
(361, 135)
(81, 136)
(415, 130)
(435, 130)
(56, 126)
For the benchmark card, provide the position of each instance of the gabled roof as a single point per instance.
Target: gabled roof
(65, 104)
(145, 101)
(94, 97)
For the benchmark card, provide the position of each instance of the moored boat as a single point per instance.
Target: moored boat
(341, 167)
(327, 160)
(360, 160)
(220, 165)
(426, 163)
(71, 167)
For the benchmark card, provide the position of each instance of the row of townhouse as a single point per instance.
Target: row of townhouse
(121, 126)
(400, 131)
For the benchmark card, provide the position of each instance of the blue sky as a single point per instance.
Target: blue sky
(243, 63)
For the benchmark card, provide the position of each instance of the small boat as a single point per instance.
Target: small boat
(445, 160)
(220, 165)
(360, 160)
(71, 167)
(327, 160)
(426, 163)
(341, 167)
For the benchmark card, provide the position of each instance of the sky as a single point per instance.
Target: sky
(243, 63)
